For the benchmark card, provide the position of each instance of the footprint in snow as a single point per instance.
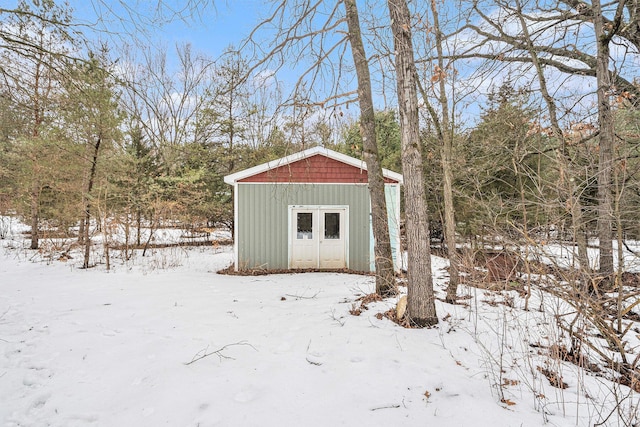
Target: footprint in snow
(27, 416)
(37, 373)
(37, 366)
(39, 401)
(31, 379)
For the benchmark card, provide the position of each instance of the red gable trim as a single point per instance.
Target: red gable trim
(314, 169)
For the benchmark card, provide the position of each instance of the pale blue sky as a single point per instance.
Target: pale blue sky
(210, 31)
(216, 27)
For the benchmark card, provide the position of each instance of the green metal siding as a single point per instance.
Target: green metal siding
(393, 214)
(263, 223)
(392, 199)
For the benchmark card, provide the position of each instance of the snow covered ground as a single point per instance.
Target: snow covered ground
(97, 348)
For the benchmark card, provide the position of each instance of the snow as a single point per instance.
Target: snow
(565, 255)
(97, 348)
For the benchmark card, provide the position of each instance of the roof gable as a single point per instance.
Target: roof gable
(317, 164)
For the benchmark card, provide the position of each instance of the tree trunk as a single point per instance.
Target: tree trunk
(607, 135)
(138, 225)
(87, 209)
(85, 236)
(81, 227)
(127, 235)
(35, 133)
(421, 308)
(385, 280)
(35, 216)
(446, 136)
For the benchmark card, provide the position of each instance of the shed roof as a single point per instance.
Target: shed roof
(305, 154)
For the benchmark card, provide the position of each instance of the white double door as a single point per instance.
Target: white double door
(318, 237)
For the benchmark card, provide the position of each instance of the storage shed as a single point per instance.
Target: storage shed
(309, 210)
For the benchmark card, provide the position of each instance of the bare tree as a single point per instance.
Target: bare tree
(420, 299)
(168, 101)
(445, 135)
(385, 280)
(604, 37)
(225, 111)
(564, 163)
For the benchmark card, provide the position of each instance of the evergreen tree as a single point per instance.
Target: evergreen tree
(92, 120)
(34, 47)
(388, 134)
(502, 162)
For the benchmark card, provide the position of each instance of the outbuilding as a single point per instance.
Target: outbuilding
(309, 210)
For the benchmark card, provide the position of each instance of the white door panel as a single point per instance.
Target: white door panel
(305, 237)
(332, 239)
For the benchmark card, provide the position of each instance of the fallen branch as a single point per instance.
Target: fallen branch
(386, 407)
(303, 297)
(203, 353)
